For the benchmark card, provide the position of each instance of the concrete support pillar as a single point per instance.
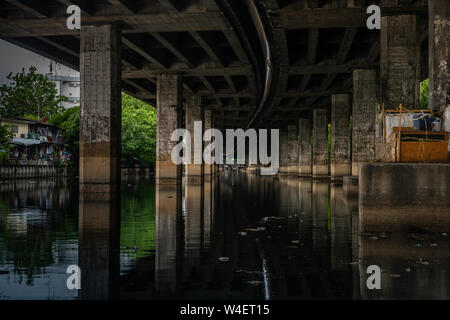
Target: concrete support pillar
(341, 164)
(400, 61)
(207, 124)
(320, 143)
(284, 153)
(194, 113)
(365, 106)
(100, 122)
(304, 147)
(292, 150)
(439, 59)
(169, 111)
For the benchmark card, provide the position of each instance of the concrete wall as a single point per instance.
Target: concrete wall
(404, 197)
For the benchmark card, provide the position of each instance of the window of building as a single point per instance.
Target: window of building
(15, 129)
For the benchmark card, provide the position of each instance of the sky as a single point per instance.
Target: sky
(14, 58)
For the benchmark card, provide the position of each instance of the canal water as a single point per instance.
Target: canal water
(235, 236)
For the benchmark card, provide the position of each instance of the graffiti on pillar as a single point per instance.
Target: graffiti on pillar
(374, 20)
(74, 20)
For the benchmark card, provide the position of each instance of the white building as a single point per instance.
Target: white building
(14, 59)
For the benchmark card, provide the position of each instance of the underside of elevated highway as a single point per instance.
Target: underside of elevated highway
(294, 65)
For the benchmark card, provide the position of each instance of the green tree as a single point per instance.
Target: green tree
(424, 104)
(69, 120)
(6, 135)
(138, 132)
(29, 93)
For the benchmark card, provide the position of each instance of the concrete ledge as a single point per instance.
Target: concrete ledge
(350, 186)
(404, 197)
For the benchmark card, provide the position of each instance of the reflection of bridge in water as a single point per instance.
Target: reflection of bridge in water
(309, 233)
(307, 230)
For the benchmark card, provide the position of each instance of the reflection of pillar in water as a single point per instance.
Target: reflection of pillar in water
(168, 237)
(193, 232)
(99, 244)
(305, 218)
(207, 210)
(351, 207)
(283, 196)
(340, 230)
(275, 189)
(320, 216)
(293, 196)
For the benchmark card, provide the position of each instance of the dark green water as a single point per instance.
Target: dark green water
(207, 241)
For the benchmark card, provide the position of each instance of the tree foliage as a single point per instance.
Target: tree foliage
(69, 120)
(138, 132)
(6, 135)
(29, 93)
(424, 94)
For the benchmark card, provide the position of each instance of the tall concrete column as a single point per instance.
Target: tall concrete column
(169, 111)
(100, 121)
(194, 113)
(439, 58)
(400, 61)
(320, 143)
(284, 152)
(340, 136)
(304, 148)
(292, 150)
(207, 124)
(365, 106)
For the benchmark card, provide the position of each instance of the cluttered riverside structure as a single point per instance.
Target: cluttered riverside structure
(36, 150)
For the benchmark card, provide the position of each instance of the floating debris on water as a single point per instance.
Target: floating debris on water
(422, 261)
(254, 283)
(248, 271)
(224, 259)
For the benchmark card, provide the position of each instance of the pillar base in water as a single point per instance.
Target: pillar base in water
(320, 171)
(338, 171)
(404, 197)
